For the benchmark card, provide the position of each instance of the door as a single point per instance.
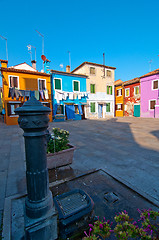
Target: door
(100, 110)
(137, 110)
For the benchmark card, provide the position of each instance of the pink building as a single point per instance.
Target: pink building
(150, 94)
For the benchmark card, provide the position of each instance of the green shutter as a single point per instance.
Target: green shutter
(92, 88)
(107, 107)
(111, 90)
(107, 89)
(58, 84)
(76, 86)
(92, 107)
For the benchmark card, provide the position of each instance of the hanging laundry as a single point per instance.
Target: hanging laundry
(21, 93)
(71, 96)
(82, 94)
(75, 96)
(79, 96)
(60, 96)
(37, 94)
(17, 94)
(65, 95)
(42, 94)
(57, 97)
(11, 93)
(70, 111)
(46, 94)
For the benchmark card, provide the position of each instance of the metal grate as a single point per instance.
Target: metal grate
(71, 203)
(111, 197)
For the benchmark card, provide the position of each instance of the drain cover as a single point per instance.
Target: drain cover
(111, 197)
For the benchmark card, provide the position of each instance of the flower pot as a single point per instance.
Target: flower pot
(62, 158)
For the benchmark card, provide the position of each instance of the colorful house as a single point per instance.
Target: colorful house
(119, 98)
(19, 83)
(69, 96)
(100, 88)
(132, 97)
(150, 94)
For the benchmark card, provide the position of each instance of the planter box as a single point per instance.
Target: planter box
(62, 158)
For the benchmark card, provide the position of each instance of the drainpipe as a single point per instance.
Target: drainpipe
(52, 95)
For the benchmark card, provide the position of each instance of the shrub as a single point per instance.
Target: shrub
(58, 140)
(126, 228)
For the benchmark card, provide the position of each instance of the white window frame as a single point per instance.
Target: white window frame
(13, 76)
(125, 92)
(90, 108)
(78, 85)
(61, 84)
(41, 79)
(152, 84)
(134, 90)
(92, 74)
(121, 92)
(149, 103)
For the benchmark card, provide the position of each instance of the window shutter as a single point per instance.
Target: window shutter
(107, 107)
(107, 89)
(92, 107)
(111, 90)
(155, 85)
(91, 86)
(58, 84)
(76, 87)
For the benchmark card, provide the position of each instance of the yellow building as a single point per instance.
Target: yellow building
(19, 83)
(119, 98)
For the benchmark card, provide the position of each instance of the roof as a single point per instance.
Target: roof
(24, 66)
(5, 61)
(134, 80)
(68, 73)
(94, 64)
(23, 71)
(151, 73)
(118, 82)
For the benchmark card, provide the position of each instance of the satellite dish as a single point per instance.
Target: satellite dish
(43, 58)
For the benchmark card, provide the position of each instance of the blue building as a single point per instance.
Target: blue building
(69, 96)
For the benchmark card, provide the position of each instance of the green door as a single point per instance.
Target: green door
(136, 110)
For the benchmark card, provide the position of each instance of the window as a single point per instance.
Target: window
(76, 86)
(109, 90)
(13, 82)
(41, 84)
(76, 109)
(11, 108)
(119, 107)
(92, 107)
(127, 92)
(119, 92)
(60, 109)
(108, 73)
(92, 70)
(152, 104)
(136, 90)
(57, 83)
(107, 107)
(155, 84)
(92, 88)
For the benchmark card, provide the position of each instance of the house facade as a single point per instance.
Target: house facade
(100, 88)
(150, 94)
(69, 96)
(132, 97)
(119, 98)
(19, 83)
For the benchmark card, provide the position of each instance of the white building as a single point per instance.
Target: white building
(100, 88)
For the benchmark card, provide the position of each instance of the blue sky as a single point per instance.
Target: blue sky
(127, 31)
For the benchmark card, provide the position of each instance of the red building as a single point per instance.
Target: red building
(132, 97)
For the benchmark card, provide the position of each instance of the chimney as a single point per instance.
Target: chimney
(33, 64)
(4, 63)
(68, 69)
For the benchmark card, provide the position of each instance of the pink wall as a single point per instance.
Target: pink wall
(147, 93)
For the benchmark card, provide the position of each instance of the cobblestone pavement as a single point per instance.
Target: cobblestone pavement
(128, 148)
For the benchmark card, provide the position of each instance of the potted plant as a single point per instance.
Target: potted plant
(59, 151)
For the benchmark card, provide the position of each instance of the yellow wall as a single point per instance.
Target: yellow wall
(119, 100)
(27, 81)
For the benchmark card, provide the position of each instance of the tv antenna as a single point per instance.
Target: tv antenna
(42, 41)
(150, 65)
(6, 46)
(69, 59)
(29, 50)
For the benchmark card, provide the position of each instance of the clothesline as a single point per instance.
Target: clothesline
(13, 92)
(59, 96)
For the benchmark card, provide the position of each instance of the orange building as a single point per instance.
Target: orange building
(19, 83)
(119, 98)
